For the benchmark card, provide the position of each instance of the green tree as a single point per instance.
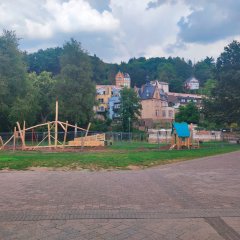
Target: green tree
(12, 76)
(45, 60)
(222, 107)
(130, 108)
(205, 70)
(75, 88)
(99, 70)
(167, 73)
(208, 87)
(44, 85)
(26, 108)
(188, 113)
(230, 58)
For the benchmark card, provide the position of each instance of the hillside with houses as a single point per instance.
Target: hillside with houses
(89, 90)
(159, 105)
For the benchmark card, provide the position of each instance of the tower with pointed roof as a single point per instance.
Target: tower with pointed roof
(123, 80)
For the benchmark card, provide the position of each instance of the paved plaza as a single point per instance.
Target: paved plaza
(197, 199)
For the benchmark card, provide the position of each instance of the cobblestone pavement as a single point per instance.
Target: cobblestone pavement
(198, 199)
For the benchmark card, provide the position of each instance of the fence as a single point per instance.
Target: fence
(33, 138)
(155, 137)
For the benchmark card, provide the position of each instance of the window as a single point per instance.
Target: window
(157, 112)
(116, 105)
(170, 113)
(101, 109)
(101, 100)
(164, 113)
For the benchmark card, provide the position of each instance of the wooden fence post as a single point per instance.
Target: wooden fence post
(49, 135)
(56, 125)
(65, 134)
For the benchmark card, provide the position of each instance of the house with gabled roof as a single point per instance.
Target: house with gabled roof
(154, 104)
(123, 80)
(191, 83)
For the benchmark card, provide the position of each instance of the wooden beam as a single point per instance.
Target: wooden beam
(7, 141)
(84, 138)
(57, 141)
(49, 134)
(73, 126)
(39, 125)
(62, 125)
(56, 125)
(24, 130)
(89, 125)
(65, 134)
(14, 138)
(21, 135)
(1, 141)
(41, 141)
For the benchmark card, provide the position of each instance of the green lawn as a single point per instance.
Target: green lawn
(120, 156)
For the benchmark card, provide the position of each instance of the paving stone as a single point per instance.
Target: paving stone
(198, 199)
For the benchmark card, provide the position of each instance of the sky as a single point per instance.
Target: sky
(117, 30)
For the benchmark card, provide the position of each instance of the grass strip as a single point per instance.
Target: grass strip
(20, 160)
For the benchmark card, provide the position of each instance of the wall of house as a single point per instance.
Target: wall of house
(103, 98)
(156, 109)
(121, 81)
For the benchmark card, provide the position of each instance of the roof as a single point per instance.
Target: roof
(191, 79)
(104, 86)
(185, 95)
(147, 92)
(182, 129)
(126, 75)
(172, 99)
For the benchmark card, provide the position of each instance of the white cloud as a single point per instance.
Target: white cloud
(38, 30)
(77, 15)
(141, 28)
(116, 30)
(193, 51)
(45, 18)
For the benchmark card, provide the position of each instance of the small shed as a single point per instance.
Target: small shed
(181, 136)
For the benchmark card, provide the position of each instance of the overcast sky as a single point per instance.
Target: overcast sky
(116, 30)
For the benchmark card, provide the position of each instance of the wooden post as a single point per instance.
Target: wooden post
(24, 130)
(49, 134)
(21, 136)
(178, 143)
(65, 134)
(56, 125)
(87, 129)
(75, 130)
(1, 141)
(14, 138)
(82, 140)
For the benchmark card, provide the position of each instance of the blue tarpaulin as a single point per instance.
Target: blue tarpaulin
(182, 129)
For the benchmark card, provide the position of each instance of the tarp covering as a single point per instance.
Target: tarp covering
(182, 129)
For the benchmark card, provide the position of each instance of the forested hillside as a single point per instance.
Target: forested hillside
(172, 70)
(30, 82)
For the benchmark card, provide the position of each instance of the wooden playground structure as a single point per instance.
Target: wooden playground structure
(51, 137)
(182, 137)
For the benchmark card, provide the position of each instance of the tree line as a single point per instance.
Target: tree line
(30, 95)
(30, 82)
